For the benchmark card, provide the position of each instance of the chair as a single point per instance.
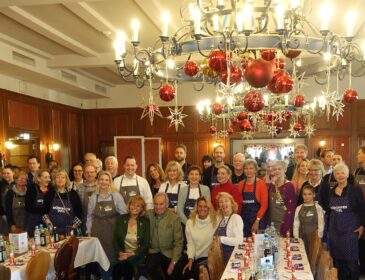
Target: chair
(325, 264)
(64, 259)
(5, 273)
(332, 274)
(314, 251)
(203, 273)
(215, 260)
(38, 266)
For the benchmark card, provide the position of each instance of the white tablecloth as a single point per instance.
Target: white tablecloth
(282, 272)
(90, 250)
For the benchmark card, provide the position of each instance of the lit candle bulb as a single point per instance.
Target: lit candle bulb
(280, 17)
(135, 27)
(121, 39)
(215, 23)
(165, 24)
(220, 3)
(191, 11)
(286, 100)
(197, 23)
(117, 51)
(325, 15)
(247, 15)
(266, 99)
(350, 23)
(239, 21)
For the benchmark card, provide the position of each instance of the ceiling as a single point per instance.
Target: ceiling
(67, 45)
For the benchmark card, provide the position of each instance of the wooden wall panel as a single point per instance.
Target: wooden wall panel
(107, 127)
(74, 136)
(130, 147)
(342, 147)
(152, 150)
(23, 116)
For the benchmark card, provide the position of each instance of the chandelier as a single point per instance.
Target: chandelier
(257, 56)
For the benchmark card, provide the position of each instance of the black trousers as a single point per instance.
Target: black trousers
(194, 272)
(347, 270)
(157, 265)
(123, 268)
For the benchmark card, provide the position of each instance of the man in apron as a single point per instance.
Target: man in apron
(130, 184)
(180, 157)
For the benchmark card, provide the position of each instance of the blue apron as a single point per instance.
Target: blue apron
(61, 213)
(250, 207)
(222, 231)
(173, 197)
(343, 222)
(35, 219)
(190, 202)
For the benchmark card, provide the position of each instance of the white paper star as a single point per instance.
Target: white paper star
(151, 110)
(272, 130)
(338, 108)
(246, 135)
(309, 130)
(293, 132)
(176, 117)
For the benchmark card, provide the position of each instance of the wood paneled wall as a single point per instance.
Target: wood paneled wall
(47, 122)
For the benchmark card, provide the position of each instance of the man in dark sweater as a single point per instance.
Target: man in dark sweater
(300, 152)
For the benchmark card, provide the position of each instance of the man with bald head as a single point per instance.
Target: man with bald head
(237, 174)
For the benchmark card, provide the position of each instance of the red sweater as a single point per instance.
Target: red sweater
(229, 188)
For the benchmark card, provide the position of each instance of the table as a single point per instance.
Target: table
(282, 272)
(89, 250)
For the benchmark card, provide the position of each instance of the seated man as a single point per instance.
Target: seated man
(166, 241)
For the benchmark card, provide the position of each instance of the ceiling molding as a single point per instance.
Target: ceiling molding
(75, 61)
(6, 3)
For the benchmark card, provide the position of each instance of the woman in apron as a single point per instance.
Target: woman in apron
(174, 182)
(282, 199)
(347, 209)
(255, 199)
(34, 199)
(230, 227)
(155, 176)
(189, 194)
(15, 204)
(62, 208)
(103, 210)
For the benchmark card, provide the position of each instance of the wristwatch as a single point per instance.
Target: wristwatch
(258, 219)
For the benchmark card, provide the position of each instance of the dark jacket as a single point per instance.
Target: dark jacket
(143, 236)
(210, 172)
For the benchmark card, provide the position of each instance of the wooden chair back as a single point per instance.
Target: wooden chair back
(38, 266)
(64, 260)
(5, 273)
(203, 273)
(324, 266)
(74, 241)
(215, 260)
(314, 251)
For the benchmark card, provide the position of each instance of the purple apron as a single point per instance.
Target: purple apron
(222, 231)
(190, 202)
(173, 197)
(61, 213)
(343, 222)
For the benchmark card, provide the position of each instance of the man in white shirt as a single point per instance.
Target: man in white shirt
(130, 184)
(111, 165)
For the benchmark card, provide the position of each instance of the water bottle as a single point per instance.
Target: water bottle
(37, 237)
(56, 236)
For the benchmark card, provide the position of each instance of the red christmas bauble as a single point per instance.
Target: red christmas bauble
(191, 68)
(297, 127)
(254, 101)
(236, 75)
(287, 115)
(280, 63)
(259, 73)
(350, 96)
(212, 129)
(230, 130)
(217, 61)
(242, 116)
(272, 87)
(268, 54)
(292, 53)
(246, 62)
(299, 100)
(217, 108)
(245, 125)
(167, 92)
(284, 84)
(234, 121)
(269, 118)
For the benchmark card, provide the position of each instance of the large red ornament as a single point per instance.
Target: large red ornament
(167, 92)
(292, 53)
(297, 127)
(350, 96)
(254, 101)
(284, 84)
(242, 116)
(299, 100)
(212, 129)
(259, 73)
(230, 130)
(268, 54)
(191, 68)
(269, 118)
(245, 125)
(236, 75)
(272, 86)
(287, 115)
(234, 121)
(246, 62)
(217, 108)
(217, 61)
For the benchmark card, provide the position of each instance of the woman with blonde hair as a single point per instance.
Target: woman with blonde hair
(103, 209)
(174, 183)
(155, 176)
(131, 238)
(300, 175)
(230, 227)
(62, 207)
(200, 229)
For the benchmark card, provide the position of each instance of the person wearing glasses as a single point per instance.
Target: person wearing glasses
(76, 175)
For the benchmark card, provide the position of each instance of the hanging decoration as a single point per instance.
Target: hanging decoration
(176, 116)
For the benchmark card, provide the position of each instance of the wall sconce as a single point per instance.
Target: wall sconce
(56, 147)
(9, 145)
(51, 148)
(322, 143)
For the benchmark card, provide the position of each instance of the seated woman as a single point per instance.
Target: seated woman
(34, 199)
(200, 229)
(189, 194)
(131, 238)
(282, 199)
(62, 208)
(15, 204)
(155, 176)
(230, 227)
(103, 210)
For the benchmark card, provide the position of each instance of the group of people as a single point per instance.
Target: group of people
(168, 219)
